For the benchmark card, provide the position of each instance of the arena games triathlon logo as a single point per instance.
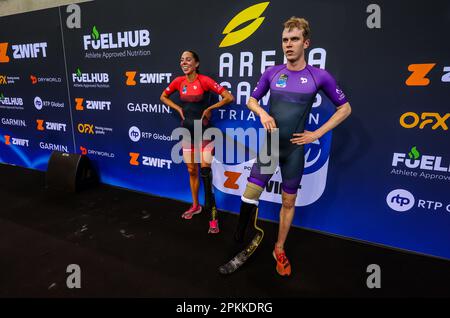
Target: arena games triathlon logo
(233, 36)
(239, 73)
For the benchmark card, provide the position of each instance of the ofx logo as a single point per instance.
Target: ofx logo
(86, 128)
(420, 73)
(411, 120)
(254, 13)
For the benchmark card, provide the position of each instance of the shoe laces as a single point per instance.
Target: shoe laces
(281, 257)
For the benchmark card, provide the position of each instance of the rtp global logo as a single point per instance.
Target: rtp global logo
(400, 200)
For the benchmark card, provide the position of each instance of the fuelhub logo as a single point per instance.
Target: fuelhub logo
(81, 104)
(414, 164)
(234, 34)
(402, 200)
(133, 77)
(23, 51)
(11, 102)
(126, 40)
(90, 80)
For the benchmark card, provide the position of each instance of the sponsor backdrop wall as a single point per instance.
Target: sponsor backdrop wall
(88, 81)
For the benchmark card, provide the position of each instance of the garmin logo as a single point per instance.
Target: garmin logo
(14, 122)
(149, 108)
(49, 146)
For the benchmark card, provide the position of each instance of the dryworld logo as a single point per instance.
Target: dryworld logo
(233, 34)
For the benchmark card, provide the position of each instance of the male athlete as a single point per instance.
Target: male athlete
(293, 87)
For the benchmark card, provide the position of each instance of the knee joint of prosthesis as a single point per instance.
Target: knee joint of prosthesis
(205, 172)
(252, 193)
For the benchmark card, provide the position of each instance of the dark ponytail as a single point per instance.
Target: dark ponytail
(196, 58)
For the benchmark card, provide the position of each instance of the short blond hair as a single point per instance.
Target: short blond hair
(299, 23)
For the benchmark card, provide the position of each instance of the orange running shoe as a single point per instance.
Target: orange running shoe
(283, 265)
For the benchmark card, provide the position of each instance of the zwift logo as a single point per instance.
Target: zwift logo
(233, 36)
(419, 74)
(43, 125)
(23, 51)
(81, 104)
(147, 78)
(149, 161)
(16, 141)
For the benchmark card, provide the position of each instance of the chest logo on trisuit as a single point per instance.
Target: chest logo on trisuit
(282, 81)
(184, 90)
(303, 80)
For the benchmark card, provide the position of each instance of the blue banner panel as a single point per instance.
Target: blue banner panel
(381, 176)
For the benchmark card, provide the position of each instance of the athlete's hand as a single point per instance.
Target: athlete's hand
(206, 114)
(180, 111)
(268, 122)
(305, 137)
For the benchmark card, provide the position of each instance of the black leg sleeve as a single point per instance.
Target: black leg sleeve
(206, 175)
(247, 210)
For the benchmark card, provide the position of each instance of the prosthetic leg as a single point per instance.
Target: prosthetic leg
(249, 208)
(210, 202)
